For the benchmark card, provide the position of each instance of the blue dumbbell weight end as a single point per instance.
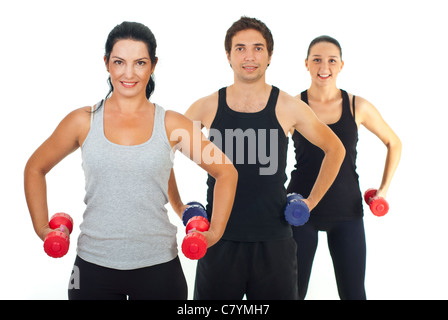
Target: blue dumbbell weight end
(297, 212)
(194, 209)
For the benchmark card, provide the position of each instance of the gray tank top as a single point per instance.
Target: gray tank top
(125, 225)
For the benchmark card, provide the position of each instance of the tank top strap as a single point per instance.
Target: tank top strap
(345, 103)
(272, 101)
(96, 121)
(159, 125)
(304, 96)
(222, 103)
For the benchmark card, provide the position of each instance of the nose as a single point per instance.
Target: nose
(250, 55)
(129, 71)
(324, 67)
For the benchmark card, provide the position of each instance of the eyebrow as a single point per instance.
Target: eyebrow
(318, 55)
(117, 57)
(254, 44)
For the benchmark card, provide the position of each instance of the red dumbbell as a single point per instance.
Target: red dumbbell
(56, 242)
(378, 205)
(194, 245)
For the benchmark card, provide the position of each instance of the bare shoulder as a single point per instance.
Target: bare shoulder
(173, 117)
(175, 120)
(81, 114)
(204, 109)
(362, 105)
(290, 104)
(365, 111)
(206, 103)
(292, 112)
(360, 102)
(77, 120)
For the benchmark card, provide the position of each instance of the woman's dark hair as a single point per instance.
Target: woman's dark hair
(324, 39)
(138, 32)
(246, 23)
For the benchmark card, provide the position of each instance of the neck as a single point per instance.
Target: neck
(124, 104)
(323, 93)
(248, 89)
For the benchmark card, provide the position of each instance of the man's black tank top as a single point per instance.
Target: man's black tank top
(257, 146)
(343, 201)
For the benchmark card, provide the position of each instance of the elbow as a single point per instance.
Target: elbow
(233, 174)
(394, 145)
(33, 170)
(339, 152)
(227, 172)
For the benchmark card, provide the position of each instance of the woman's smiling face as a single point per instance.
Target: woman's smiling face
(129, 67)
(324, 63)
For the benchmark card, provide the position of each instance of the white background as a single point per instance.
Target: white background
(395, 52)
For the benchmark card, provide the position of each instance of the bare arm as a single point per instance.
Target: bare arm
(174, 196)
(192, 143)
(368, 115)
(202, 113)
(319, 134)
(64, 140)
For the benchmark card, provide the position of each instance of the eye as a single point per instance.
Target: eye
(316, 60)
(141, 63)
(118, 62)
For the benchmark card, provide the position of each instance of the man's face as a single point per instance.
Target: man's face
(249, 56)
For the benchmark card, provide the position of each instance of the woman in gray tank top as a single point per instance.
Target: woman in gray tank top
(127, 246)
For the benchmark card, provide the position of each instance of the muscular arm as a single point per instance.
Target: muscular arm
(200, 113)
(192, 143)
(303, 119)
(368, 115)
(64, 140)
(174, 196)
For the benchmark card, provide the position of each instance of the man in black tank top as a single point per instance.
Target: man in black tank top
(249, 121)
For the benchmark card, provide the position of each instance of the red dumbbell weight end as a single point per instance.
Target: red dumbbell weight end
(57, 243)
(378, 205)
(194, 245)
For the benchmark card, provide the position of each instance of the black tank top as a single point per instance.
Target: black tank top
(343, 201)
(257, 146)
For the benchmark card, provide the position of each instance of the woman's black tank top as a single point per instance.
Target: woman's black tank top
(257, 146)
(343, 201)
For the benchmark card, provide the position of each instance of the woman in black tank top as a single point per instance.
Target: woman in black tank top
(340, 211)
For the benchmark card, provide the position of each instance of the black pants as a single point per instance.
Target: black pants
(259, 270)
(164, 281)
(347, 246)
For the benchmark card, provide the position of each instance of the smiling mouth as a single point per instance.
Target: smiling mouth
(128, 84)
(250, 68)
(324, 76)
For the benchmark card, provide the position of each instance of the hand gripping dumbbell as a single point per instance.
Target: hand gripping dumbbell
(194, 245)
(378, 205)
(297, 212)
(56, 242)
(193, 209)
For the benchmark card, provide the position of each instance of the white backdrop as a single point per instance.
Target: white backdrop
(395, 56)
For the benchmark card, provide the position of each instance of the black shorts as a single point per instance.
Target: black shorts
(260, 270)
(164, 281)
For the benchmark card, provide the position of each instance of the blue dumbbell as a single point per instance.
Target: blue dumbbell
(297, 212)
(194, 209)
